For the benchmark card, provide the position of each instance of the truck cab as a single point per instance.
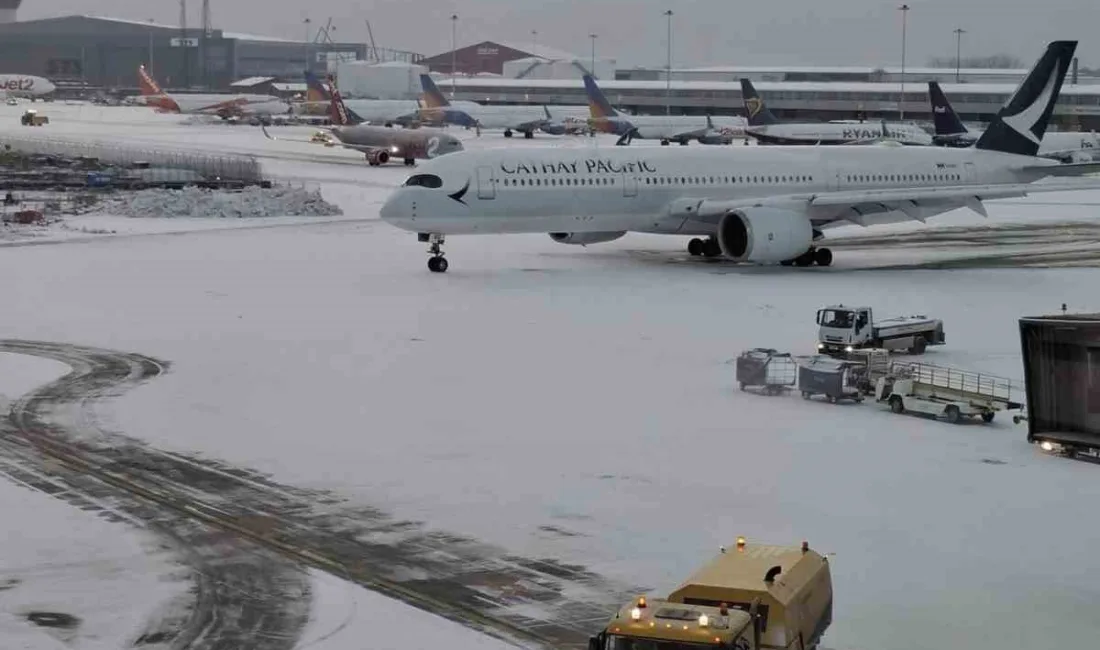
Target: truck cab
(751, 597)
(844, 328)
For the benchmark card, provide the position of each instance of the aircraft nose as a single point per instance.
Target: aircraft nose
(397, 209)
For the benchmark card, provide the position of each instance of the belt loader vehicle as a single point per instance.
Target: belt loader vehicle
(844, 329)
(751, 597)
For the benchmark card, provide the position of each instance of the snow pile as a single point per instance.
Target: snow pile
(251, 202)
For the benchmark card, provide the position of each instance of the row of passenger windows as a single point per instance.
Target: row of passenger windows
(725, 180)
(902, 178)
(660, 180)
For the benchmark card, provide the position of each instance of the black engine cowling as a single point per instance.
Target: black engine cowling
(378, 157)
(764, 235)
(585, 238)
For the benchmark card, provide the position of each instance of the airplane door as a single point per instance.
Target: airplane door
(971, 172)
(485, 187)
(630, 185)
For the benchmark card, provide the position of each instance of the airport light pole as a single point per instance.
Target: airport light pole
(592, 62)
(305, 42)
(904, 9)
(668, 67)
(454, 53)
(959, 31)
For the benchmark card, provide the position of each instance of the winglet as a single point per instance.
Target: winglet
(1019, 126)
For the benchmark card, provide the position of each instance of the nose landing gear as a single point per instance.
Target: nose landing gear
(436, 263)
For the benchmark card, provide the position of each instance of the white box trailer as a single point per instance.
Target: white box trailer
(945, 392)
(843, 329)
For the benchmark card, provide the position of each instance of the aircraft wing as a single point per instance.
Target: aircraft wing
(868, 207)
(271, 137)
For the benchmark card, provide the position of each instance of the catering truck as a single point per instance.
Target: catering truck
(842, 329)
(750, 597)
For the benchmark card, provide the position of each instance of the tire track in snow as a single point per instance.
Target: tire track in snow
(527, 602)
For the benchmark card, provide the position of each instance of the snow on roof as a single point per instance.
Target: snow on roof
(290, 87)
(251, 81)
(762, 86)
(145, 23)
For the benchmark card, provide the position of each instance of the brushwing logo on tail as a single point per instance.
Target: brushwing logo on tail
(1024, 121)
(457, 196)
(753, 104)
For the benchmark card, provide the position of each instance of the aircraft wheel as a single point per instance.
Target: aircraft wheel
(804, 259)
(695, 247)
(711, 248)
(823, 257)
(664, 143)
(437, 264)
(507, 133)
(527, 135)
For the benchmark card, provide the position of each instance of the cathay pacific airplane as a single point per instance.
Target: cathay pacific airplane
(768, 129)
(1063, 146)
(666, 128)
(764, 205)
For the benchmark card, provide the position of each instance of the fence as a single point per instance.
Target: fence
(245, 169)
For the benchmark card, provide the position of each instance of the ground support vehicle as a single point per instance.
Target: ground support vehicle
(750, 597)
(950, 393)
(844, 329)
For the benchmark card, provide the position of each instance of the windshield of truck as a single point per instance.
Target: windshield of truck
(623, 643)
(836, 318)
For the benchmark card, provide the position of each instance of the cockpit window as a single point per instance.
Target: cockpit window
(424, 180)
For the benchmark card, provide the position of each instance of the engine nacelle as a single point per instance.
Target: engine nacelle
(764, 235)
(378, 157)
(585, 238)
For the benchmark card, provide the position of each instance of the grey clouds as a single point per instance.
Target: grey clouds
(705, 32)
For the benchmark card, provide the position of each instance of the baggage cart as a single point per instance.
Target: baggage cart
(769, 371)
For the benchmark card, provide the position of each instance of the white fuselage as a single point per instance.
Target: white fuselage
(660, 190)
(1060, 142)
(516, 118)
(836, 133)
(671, 127)
(25, 85)
(216, 103)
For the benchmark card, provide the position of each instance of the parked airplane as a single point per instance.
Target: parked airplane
(767, 129)
(380, 144)
(25, 85)
(524, 119)
(666, 128)
(762, 205)
(405, 112)
(1064, 146)
(222, 105)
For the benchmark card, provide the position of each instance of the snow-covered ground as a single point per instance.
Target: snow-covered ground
(57, 559)
(539, 387)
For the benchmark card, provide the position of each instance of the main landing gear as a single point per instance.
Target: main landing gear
(708, 247)
(819, 256)
(436, 263)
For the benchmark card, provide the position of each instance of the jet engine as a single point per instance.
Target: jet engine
(764, 235)
(585, 238)
(378, 157)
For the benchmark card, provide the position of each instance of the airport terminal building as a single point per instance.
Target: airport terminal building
(76, 51)
(1078, 106)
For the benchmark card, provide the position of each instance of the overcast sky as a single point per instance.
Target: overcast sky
(705, 32)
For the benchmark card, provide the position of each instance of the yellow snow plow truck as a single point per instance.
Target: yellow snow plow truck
(751, 597)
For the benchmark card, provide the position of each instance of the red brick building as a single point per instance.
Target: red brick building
(489, 56)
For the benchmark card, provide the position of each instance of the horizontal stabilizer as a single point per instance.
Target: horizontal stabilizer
(1067, 169)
